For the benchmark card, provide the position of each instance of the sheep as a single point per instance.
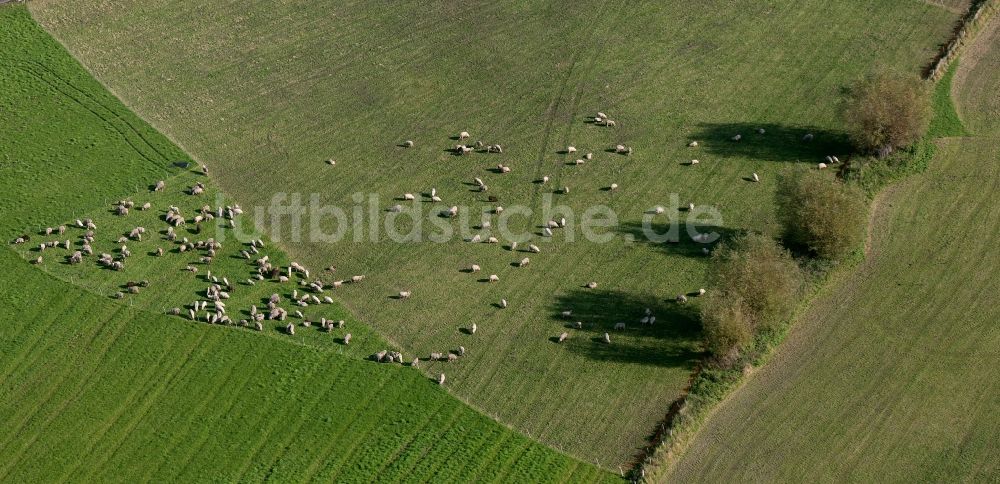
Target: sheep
(461, 351)
(440, 379)
(436, 198)
(570, 149)
(415, 363)
(737, 138)
(601, 115)
(821, 166)
(492, 240)
(620, 149)
(483, 188)
(451, 357)
(591, 285)
(565, 190)
(524, 262)
(494, 278)
(658, 210)
(534, 249)
(146, 206)
(808, 137)
(503, 304)
(610, 123)
(693, 162)
(835, 159)
(755, 177)
(681, 298)
(613, 187)
(347, 339)
(701, 291)
(435, 356)
(567, 313)
(693, 144)
(619, 326)
(513, 246)
(475, 239)
(405, 294)
(761, 131)
(473, 328)
(690, 207)
(408, 144)
(606, 339)
(409, 197)
(547, 232)
(258, 326)
(290, 329)
(159, 186)
(498, 210)
(463, 135)
(563, 337)
(451, 212)
(327, 300)
(578, 325)
(562, 222)
(474, 268)
(38, 260)
(588, 156)
(396, 208)
(545, 179)
(358, 278)
(494, 149)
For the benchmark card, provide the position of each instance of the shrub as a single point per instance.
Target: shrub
(820, 214)
(756, 285)
(884, 112)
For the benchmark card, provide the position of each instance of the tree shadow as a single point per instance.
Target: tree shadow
(674, 340)
(777, 143)
(679, 242)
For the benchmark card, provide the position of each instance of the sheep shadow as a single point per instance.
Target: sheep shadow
(777, 143)
(674, 340)
(663, 236)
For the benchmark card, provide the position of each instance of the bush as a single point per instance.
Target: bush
(756, 286)
(884, 112)
(820, 214)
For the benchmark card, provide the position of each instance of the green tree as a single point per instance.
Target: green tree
(820, 214)
(885, 111)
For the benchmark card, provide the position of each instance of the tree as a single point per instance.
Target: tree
(756, 285)
(820, 214)
(884, 112)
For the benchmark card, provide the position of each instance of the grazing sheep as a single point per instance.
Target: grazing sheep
(588, 156)
(494, 278)
(610, 123)
(409, 197)
(461, 351)
(693, 144)
(567, 313)
(701, 292)
(737, 137)
(821, 166)
(760, 131)
(474, 268)
(436, 198)
(591, 285)
(613, 187)
(38, 260)
(473, 328)
(658, 210)
(475, 239)
(563, 337)
(290, 329)
(755, 177)
(492, 240)
(347, 339)
(606, 339)
(503, 304)
(534, 249)
(159, 186)
(408, 144)
(396, 208)
(547, 232)
(693, 162)
(356, 279)
(494, 149)
(415, 363)
(570, 149)
(463, 135)
(405, 294)
(451, 357)
(513, 246)
(835, 159)
(524, 262)
(690, 207)
(441, 379)
(681, 298)
(619, 326)
(808, 137)
(545, 179)
(565, 190)
(435, 356)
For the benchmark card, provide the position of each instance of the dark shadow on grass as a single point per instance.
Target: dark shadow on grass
(674, 340)
(778, 143)
(679, 242)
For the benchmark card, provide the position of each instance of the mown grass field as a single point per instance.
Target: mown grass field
(891, 374)
(95, 389)
(263, 92)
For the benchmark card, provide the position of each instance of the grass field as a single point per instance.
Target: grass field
(890, 376)
(263, 92)
(94, 389)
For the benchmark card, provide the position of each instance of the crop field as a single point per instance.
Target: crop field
(264, 92)
(891, 375)
(98, 389)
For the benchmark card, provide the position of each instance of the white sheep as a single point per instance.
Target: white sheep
(534, 248)
(821, 166)
(589, 156)
(693, 162)
(290, 329)
(563, 337)
(737, 137)
(408, 143)
(606, 339)
(760, 131)
(473, 328)
(494, 278)
(524, 262)
(347, 339)
(463, 135)
(808, 137)
(570, 149)
(545, 179)
(440, 379)
(591, 285)
(613, 187)
(409, 197)
(474, 268)
(567, 313)
(503, 304)
(755, 177)
(619, 326)
(547, 232)
(693, 144)
(405, 294)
